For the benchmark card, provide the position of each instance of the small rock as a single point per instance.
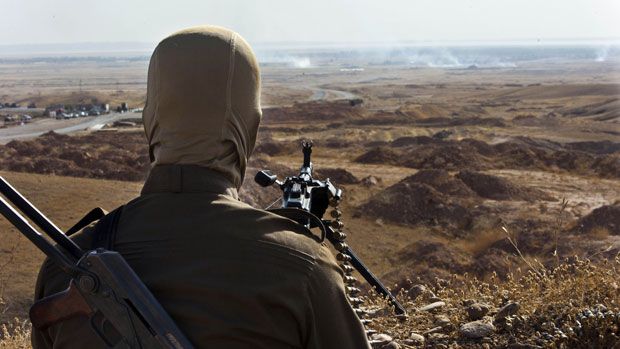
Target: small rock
(391, 345)
(523, 346)
(383, 341)
(435, 299)
(476, 329)
(476, 311)
(370, 181)
(442, 320)
(417, 339)
(381, 338)
(437, 329)
(433, 306)
(434, 337)
(468, 302)
(601, 308)
(416, 291)
(507, 310)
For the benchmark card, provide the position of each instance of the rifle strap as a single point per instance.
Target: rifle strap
(94, 214)
(105, 230)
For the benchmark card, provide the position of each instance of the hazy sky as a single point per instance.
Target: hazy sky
(65, 21)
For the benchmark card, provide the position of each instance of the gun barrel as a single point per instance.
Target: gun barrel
(39, 219)
(33, 235)
(374, 281)
(307, 150)
(368, 275)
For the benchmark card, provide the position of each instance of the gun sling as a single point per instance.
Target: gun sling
(122, 310)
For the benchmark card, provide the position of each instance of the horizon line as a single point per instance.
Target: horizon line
(356, 43)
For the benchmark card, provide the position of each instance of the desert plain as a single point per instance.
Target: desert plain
(487, 196)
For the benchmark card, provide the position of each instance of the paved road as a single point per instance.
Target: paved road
(44, 125)
(41, 126)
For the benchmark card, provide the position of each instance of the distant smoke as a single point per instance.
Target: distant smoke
(445, 58)
(301, 62)
(280, 58)
(453, 57)
(602, 53)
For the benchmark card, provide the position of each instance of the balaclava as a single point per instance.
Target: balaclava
(203, 101)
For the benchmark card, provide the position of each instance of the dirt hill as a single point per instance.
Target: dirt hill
(592, 158)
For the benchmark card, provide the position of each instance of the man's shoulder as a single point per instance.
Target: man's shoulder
(220, 217)
(273, 228)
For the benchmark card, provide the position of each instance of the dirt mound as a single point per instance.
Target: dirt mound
(602, 147)
(428, 260)
(561, 91)
(423, 111)
(495, 260)
(273, 148)
(409, 202)
(435, 255)
(525, 120)
(312, 112)
(98, 155)
(605, 217)
(496, 188)
(586, 158)
(336, 175)
(450, 156)
(442, 181)
(461, 121)
(380, 155)
(407, 141)
(608, 166)
(602, 111)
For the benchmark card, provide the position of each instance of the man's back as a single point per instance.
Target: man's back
(231, 276)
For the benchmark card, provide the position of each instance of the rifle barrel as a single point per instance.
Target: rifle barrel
(39, 219)
(33, 235)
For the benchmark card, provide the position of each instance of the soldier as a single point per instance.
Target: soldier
(231, 276)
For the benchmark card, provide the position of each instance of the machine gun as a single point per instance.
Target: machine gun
(120, 308)
(306, 200)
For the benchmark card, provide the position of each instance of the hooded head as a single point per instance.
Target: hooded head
(203, 101)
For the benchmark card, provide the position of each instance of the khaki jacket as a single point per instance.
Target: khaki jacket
(231, 276)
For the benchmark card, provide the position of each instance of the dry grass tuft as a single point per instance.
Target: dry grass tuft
(575, 305)
(15, 334)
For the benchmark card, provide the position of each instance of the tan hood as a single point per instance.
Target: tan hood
(203, 101)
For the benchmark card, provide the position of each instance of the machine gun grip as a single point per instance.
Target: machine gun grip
(58, 307)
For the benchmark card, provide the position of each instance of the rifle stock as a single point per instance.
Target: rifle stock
(59, 307)
(121, 309)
